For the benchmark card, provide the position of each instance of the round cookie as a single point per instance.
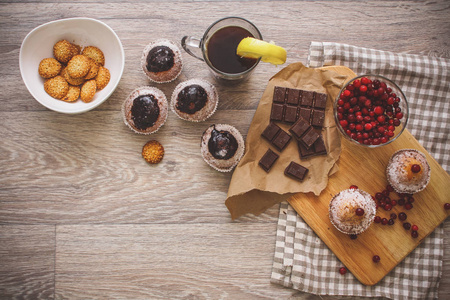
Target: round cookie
(93, 70)
(161, 61)
(102, 78)
(94, 53)
(194, 100)
(57, 87)
(63, 51)
(222, 147)
(88, 90)
(153, 152)
(70, 80)
(49, 67)
(78, 66)
(145, 110)
(72, 94)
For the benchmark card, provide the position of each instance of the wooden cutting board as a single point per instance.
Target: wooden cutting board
(366, 169)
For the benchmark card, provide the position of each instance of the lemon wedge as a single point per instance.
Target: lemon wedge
(268, 52)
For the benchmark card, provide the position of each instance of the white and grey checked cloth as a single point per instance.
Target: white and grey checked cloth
(302, 261)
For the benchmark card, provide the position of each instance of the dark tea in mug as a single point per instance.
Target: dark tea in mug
(221, 50)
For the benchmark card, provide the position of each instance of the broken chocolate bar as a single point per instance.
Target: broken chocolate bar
(309, 138)
(304, 132)
(269, 158)
(296, 171)
(318, 148)
(276, 136)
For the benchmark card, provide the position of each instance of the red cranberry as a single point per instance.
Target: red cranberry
(377, 219)
(342, 270)
(359, 211)
(402, 216)
(368, 126)
(414, 234)
(365, 80)
(384, 221)
(415, 227)
(379, 196)
(401, 201)
(407, 226)
(353, 236)
(408, 206)
(415, 168)
(355, 187)
(378, 110)
(393, 216)
(447, 206)
(410, 199)
(363, 88)
(357, 83)
(376, 258)
(391, 222)
(388, 207)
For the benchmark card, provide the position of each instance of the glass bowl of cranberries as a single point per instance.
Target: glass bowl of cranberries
(371, 110)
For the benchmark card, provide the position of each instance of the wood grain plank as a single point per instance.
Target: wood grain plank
(27, 261)
(166, 261)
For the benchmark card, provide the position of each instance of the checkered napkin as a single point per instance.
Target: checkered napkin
(302, 261)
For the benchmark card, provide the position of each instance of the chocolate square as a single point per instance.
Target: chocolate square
(299, 128)
(320, 101)
(279, 94)
(277, 112)
(309, 138)
(319, 146)
(307, 98)
(318, 117)
(271, 131)
(296, 171)
(305, 113)
(303, 152)
(281, 140)
(293, 96)
(290, 114)
(269, 158)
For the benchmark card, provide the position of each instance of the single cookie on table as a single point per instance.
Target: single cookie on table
(408, 171)
(57, 87)
(352, 211)
(194, 100)
(222, 147)
(72, 94)
(102, 78)
(153, 152)
(94, 53)
(78, 66)
(161, 61)
(63, 51)
(88, 90)
(145, 110)
(49, 67)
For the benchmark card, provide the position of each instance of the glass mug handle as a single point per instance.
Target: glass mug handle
(188, 42)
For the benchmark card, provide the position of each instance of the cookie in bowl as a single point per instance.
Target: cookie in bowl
(408, 171)
(194, 100)
(352, 211)
(161, 61)
(222, 147)
(145, 110)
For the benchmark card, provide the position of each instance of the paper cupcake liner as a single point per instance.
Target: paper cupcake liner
(162, 103)
(164, 76)
(402, 188)
(369, 207)
(207, 111)
(219, 164)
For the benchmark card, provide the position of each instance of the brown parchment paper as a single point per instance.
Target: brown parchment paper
(251, 189)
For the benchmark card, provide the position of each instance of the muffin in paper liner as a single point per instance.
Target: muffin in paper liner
(161, 101)
(227, 160)
(400, 174)
(170, 71)
(342, 211)
(194, 100)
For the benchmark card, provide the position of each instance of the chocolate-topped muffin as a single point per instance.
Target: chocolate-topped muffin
(222, 147)
(194, 100)
(145, 110)
(161, 61)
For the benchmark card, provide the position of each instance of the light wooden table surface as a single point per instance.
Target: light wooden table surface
(82, 215)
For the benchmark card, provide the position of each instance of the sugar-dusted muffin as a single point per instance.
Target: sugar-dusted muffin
(352, 211)
(145, 110)
(161, 61)
(194, 100)
(408, 171)
(222, 147)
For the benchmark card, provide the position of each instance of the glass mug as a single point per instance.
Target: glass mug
(218, 48)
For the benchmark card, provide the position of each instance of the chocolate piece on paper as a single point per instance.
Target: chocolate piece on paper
(320, 101)
(307, 98)
(267, 161)
(296, 171)
(309, 138)
(318, 148)
(318, 117)
(305, 113)
(279, 94)
(290, 114)
(271, 131)
(277, 112)
(299, 128)
(281, 140)
(293, 96)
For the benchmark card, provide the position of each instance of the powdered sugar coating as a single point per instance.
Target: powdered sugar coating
(342, 211)
(400, 175)
(204, 113)
(222, 165)
(164, 76)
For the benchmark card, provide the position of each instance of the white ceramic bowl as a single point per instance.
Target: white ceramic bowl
(38, 44)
